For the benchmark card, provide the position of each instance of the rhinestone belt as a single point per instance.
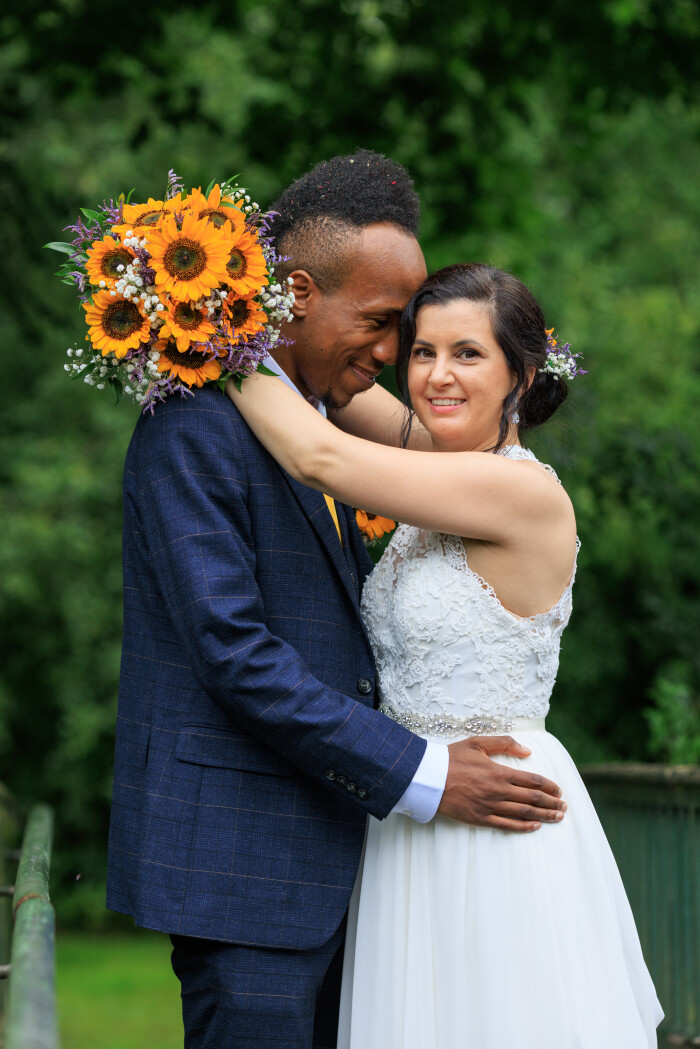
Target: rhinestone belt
(446, 725)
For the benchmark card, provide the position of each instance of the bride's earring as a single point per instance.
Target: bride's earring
(514, 417)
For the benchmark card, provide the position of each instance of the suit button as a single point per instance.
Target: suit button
(364, 685)
(341, 780)
(330, 775)
(362, 793)
(352, 788)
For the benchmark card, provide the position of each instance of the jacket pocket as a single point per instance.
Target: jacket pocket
(209, 745)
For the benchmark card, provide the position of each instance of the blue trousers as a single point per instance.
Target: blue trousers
(236, 997)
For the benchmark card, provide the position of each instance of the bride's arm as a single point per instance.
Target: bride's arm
(463, 493)
(379, 416)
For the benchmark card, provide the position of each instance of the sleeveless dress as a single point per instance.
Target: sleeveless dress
(471, 938)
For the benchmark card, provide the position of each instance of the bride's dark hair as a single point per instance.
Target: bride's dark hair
(518, 328)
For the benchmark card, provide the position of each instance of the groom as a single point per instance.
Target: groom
(249, 753)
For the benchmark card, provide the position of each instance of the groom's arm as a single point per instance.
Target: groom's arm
(192, 497)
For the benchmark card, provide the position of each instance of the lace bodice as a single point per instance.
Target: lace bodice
(442, 641)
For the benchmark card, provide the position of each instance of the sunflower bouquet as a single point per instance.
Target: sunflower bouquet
(176, 292)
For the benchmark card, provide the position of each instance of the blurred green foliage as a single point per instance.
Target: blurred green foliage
(561, 141)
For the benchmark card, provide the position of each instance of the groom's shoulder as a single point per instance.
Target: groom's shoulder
(205, 414)
(203, 432)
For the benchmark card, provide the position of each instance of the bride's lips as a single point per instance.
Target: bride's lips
(367, 378)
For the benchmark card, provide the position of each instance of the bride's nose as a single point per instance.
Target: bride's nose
(442, 373)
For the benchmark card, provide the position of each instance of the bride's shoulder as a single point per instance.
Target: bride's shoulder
(542, 491)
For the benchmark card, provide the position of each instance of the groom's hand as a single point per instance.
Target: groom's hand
(482, 792)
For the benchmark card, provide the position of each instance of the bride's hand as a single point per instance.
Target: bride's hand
(481, 792)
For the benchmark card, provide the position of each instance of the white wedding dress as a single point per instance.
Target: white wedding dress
(471, 938)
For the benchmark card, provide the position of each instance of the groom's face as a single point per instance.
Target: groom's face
(346, 336)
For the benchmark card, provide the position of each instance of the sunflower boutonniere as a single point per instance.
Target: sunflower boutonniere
(177, 292)
(375, 531)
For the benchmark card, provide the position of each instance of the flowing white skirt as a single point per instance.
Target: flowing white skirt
(469, 938)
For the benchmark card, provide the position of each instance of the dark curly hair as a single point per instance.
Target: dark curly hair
(518, 328)
(320, 213)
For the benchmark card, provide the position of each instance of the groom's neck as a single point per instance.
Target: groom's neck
(284, 356)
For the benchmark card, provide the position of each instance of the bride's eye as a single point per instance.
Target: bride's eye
(421, 351)
(469, 353)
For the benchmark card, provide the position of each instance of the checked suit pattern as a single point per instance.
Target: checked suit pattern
(248, 752)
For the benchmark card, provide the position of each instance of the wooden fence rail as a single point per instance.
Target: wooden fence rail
(29, 1020)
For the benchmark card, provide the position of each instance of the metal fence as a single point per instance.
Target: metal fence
(651, 815)
(27, 1001)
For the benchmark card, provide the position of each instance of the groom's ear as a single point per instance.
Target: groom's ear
(305, 288)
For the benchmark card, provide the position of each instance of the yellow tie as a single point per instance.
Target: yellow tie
(334, 514)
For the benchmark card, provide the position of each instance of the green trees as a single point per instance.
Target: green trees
(557, 140)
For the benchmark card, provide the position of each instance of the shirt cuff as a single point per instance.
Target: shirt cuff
(422, 796)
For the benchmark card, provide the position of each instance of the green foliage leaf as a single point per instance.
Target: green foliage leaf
(87, 370)
(95, 216)
(265, 371)
(116, 382)
(59, 245)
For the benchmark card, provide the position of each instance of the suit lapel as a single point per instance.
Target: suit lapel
(314, 506)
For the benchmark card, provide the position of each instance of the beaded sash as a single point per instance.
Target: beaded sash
(447, 726)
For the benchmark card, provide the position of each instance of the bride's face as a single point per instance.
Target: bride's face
(458, 376)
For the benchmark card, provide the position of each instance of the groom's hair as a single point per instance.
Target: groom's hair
(320, 214)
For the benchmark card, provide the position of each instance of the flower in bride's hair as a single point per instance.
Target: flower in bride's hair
(185, 323)
(194, 367)
(560, 362)
(372, 526)
(115, 324)
(106, 261)
(246, 268)
(243, 317)
(191, 261)
(215, 207)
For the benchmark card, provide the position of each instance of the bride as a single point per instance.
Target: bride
(462, 937)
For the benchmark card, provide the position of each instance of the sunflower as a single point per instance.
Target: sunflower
(186, 323)
(104, 258)
(246, 268)
(373, 526)
(189, 262)
(115, 324)
(244, 317)
(136, 216)
(215, 208)
(193, 368)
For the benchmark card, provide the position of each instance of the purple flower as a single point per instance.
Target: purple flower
(175, 185)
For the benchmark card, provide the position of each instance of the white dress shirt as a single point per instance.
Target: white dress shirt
(422, 796)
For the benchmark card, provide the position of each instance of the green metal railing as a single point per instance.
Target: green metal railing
(651, 815)
(27, 1005)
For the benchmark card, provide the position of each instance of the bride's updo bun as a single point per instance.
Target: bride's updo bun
(518, 328)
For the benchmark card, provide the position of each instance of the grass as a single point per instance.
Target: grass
(117, 992)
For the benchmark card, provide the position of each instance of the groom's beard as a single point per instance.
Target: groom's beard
(330, 404)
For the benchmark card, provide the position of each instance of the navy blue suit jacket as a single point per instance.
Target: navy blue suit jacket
(248, 752)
